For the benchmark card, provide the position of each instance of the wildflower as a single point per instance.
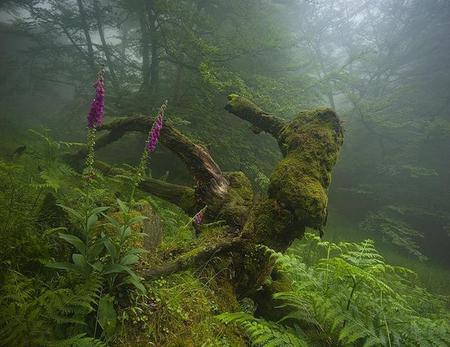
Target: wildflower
(150, 147)
(95, 116)
(155, 132)
(199, 217)
(95, 119)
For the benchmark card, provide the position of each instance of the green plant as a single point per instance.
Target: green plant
(262, 332)
(346, 294)
(107, 255)
(41, 316)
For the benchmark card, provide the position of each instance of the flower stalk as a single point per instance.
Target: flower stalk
(150, 146)
(94, 120)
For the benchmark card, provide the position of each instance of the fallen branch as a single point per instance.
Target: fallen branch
(198, 255)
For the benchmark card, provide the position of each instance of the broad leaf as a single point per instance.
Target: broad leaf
(107, 316)
(79, 260)
(75, 241)
(93, 218)
(129, 259)
(62, 266)
(136, 282)
(111, 248)
(115, 268)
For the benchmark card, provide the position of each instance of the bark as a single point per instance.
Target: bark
(145, 50)
(297, 196)
(211, 184)
(248, 111)
(105, 47)
(87, 35)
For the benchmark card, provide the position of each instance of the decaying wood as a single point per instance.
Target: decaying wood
(297, 195)
(211, 183)
(197, 256)
(248, 111)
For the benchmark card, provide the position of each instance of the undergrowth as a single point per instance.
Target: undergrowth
(345, 294)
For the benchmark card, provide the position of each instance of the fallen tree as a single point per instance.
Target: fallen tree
(296, 197)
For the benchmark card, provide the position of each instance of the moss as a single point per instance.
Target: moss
(247, 110)
(266, 305)
(238, 200)
(310, 144)
(274, 225)
(242, 105)
(180, 310)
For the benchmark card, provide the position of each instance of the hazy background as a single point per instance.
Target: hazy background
(383, 65)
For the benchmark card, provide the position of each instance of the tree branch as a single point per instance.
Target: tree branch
(198, 255)
(247, 110)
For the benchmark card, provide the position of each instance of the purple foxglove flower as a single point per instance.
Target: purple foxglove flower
(155, 132)
(95, 116)
(198, 218)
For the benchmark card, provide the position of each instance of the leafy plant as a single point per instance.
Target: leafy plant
(46, 317)
(346, 294)
(106, 255)
(262, 332)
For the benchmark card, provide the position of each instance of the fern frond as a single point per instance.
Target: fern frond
(263, 333)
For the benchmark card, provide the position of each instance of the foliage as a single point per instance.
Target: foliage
(262, 332)
(346, 294)
(109, 256)
(44, 317)
(23, 244)
(395, 231)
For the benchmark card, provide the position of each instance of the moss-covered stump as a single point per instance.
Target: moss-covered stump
(297, 194)
(234, 206)
(310, 144)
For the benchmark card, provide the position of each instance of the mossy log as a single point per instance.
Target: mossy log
(296, 199)
(228, 196)
(297, 195)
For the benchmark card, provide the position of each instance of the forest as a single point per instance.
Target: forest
(224, 173)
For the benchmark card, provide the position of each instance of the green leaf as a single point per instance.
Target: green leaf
(97, 266)
(95, 250)
(115, 268)
(75, 241)
(99, 210)
(129, 259)
(136, 219)
(107, 316)
(79, 260)
(123, 207)
(62, 266)
(112, 221)
(111, 248)
(53, 230)
(93, 218)
(137, 251)
(72, 212)
(136, 282)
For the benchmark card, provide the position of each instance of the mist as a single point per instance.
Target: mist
(235, 129)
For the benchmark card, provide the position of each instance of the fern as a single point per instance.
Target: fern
(346, 294)
(263, 333)
(43, 317)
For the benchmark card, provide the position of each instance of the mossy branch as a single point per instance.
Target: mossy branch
(247, 110)
(198, 255)
(211, 184)
(179, 195)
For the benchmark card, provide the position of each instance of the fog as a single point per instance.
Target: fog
(382, 65)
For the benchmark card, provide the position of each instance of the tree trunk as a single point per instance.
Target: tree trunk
(145, 50)
(105, 47)
(296, 199)
(155, 46)
(87, 36)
